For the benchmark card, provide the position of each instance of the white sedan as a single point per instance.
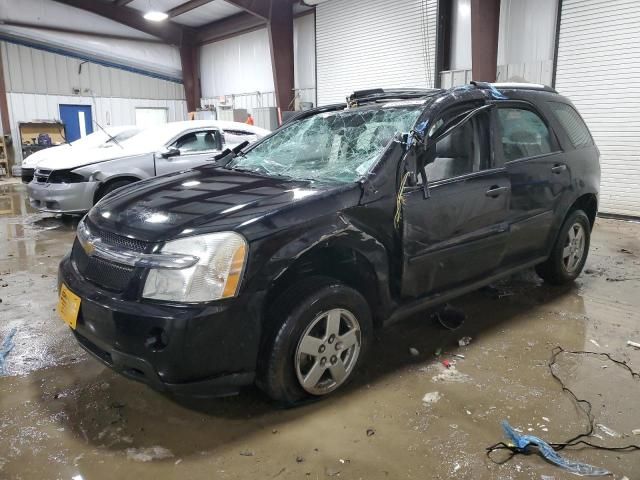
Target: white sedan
(74, 183)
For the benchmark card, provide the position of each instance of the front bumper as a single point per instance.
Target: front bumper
(62, 197)
(199, 350)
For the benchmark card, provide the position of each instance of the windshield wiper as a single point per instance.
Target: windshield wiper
(109, 135)
(231, 152)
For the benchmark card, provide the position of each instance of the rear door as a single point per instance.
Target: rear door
(458, 233)
(196, 148)
(539, 176)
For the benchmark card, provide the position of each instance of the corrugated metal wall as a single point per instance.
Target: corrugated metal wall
(28, 70)
(374, 43)
(598, 66)
(38, 82)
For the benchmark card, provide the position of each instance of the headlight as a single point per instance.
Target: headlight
(216, 275)
(65, 176)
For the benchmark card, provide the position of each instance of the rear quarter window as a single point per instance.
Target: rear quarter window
(572, 123)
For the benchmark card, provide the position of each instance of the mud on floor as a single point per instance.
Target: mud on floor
(62, 415)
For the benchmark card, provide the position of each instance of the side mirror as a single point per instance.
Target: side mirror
(169, 152)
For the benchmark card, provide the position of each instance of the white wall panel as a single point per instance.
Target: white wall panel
(304, 50)
(526, 40)
(460, 56)
(239, 68)
(29, 70)
(374, 43)
(598, 63)
(239, 64)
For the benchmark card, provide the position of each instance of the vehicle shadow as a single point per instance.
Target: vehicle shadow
(108, 411)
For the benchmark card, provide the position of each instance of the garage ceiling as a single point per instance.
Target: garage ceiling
(200, 12)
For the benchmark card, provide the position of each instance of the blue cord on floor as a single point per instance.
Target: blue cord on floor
(6, 348)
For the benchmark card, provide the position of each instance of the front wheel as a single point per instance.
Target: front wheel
(321, 330)
(570, 251)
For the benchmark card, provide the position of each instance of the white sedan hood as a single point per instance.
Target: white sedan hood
(48, 153)
(71, 158)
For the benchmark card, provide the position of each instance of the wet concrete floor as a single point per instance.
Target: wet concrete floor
(63, 415)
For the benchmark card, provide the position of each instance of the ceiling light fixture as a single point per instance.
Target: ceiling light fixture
(156, 16)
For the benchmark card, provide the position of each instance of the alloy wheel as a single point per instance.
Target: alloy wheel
(328, 351)
(574, 246)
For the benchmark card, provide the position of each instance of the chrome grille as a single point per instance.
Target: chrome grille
(113, 239)
(106, 274)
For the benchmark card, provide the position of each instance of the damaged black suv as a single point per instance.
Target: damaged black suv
(275, 264)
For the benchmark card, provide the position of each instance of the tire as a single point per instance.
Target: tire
(303, 312)
(110, 187)
(560, 269)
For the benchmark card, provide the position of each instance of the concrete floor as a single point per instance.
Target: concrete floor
(63, 415)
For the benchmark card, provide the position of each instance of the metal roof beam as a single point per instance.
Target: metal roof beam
(167, 31)
(186, 7)
(259, 8)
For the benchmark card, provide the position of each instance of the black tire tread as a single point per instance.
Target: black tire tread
(551, 270)
(268, 377)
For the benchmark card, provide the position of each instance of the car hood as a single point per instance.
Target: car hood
(72, 157)
(48, 153)
(209, 199)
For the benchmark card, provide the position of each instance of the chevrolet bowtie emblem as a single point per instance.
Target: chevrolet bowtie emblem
(88, 247)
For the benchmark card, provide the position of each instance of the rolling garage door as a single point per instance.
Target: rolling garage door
(364, 44)
(598, 68)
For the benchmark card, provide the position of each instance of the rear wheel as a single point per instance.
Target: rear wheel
(320, 334)
(570, 251)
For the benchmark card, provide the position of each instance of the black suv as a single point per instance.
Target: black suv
(276, 264)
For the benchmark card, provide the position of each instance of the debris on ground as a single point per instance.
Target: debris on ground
(636, 431)
(446, 364)
(497, 293)
(633, 344)
(370, 432)
(521, 444)
(450, 375)
(431, 398)
(148, 454)
(459, 355)
(299, 459)
(595, 343)
(5, 348)
(464, 341)
(247, 453)
(450, 318)
(414, 352)
(624, 250)
(608, 431)
(331, 471)
(438, 352)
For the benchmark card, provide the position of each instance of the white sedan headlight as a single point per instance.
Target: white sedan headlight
(216, 275)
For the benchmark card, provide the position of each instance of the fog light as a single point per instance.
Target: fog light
(157, 339)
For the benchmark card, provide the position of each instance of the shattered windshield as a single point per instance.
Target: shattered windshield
(338, 146)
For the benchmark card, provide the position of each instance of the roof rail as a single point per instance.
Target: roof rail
(514, 86)
(379, 94)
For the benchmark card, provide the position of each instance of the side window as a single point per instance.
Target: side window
(202, 141)
(234, 137)
(465, 150)
(523, 134)
(572, 123)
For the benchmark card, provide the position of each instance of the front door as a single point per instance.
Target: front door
(196, 148)
(77, 121)
(458, 233)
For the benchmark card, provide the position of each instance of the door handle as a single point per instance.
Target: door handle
(558, 168)
(496, 191)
